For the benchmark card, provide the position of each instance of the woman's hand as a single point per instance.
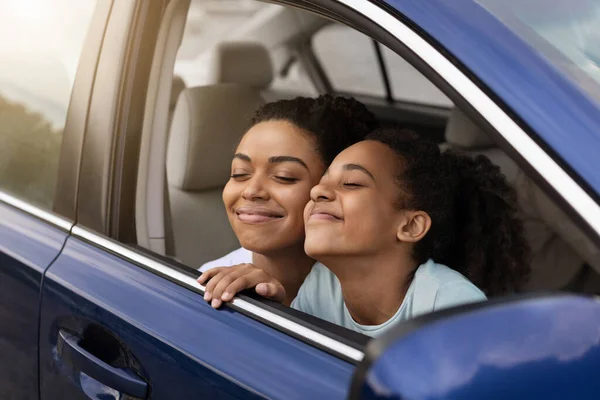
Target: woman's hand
(226, 282)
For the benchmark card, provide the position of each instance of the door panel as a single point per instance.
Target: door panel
(27, 246)
(170, 337)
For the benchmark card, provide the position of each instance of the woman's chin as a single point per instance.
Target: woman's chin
(266, 247)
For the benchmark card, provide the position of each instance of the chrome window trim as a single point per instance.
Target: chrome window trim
(36, 211)
(251, 309)
(549, 169)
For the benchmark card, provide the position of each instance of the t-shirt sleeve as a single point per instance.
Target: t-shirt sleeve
(239, 256)
(456, 293)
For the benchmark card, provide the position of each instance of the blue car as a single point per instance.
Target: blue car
(100, 241)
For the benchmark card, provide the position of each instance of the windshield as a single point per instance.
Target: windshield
(567, 33)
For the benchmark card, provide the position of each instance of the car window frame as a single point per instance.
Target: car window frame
(393, 33)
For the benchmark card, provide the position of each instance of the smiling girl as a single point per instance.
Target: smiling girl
(277, 162)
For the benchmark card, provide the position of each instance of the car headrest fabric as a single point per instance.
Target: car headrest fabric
(245, 63)
(207, 125)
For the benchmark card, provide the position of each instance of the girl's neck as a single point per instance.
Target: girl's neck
(289, 266)
(373, 287)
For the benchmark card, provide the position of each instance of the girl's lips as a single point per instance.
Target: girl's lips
(323, 217)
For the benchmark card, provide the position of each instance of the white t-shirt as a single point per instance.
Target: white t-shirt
(239, 256)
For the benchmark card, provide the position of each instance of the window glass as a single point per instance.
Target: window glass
(37, 70)
(410, 85)
(349, 60)
(565, 33)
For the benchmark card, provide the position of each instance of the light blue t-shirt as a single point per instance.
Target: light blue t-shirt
(433, 288)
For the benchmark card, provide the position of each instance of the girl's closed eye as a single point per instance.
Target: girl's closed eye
(352, 185)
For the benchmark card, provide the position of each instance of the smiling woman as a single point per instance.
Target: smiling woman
(272, 173)
(281, 157)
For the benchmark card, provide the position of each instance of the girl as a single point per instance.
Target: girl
(278, 160)
(388, 216)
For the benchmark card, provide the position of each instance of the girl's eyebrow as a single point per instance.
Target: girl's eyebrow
(357, 167)
(282, 159)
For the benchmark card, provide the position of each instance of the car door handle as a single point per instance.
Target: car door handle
(122, 380)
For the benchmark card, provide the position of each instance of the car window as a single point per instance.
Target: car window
(565, 33)
(37, 70)
(349, 60)
(410, 85)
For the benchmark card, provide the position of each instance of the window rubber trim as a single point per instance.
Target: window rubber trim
(335, 340)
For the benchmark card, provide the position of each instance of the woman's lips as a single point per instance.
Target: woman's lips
(257, 215)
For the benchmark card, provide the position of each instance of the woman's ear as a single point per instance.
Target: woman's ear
(413, 226)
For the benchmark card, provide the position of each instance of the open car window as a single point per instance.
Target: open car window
(196, 228)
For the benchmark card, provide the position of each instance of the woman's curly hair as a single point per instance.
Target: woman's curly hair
(475, 229)
(335, 122)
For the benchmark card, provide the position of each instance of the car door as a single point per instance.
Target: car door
(39, 137)
(116, 320)
(30, 239)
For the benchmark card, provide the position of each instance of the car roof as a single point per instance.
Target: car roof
(563, 116)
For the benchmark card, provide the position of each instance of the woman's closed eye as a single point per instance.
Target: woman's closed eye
(240, 175)
(286, 179)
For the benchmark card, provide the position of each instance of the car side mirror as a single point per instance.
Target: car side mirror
(521, 347)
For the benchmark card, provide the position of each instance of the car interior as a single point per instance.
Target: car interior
(216, 62)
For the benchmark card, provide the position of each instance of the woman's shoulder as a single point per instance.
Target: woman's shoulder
(239, 256)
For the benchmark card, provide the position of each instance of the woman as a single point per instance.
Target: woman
(388, 216)
(278, 160)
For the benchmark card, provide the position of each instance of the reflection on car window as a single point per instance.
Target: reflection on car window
(37, 70)
(570, 28)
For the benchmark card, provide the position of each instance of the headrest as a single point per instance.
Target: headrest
(245, 63)
(176, 87)
(207, 125)
(462, 132)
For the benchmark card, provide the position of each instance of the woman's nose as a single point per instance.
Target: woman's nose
(255, 190)
(322, 192)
